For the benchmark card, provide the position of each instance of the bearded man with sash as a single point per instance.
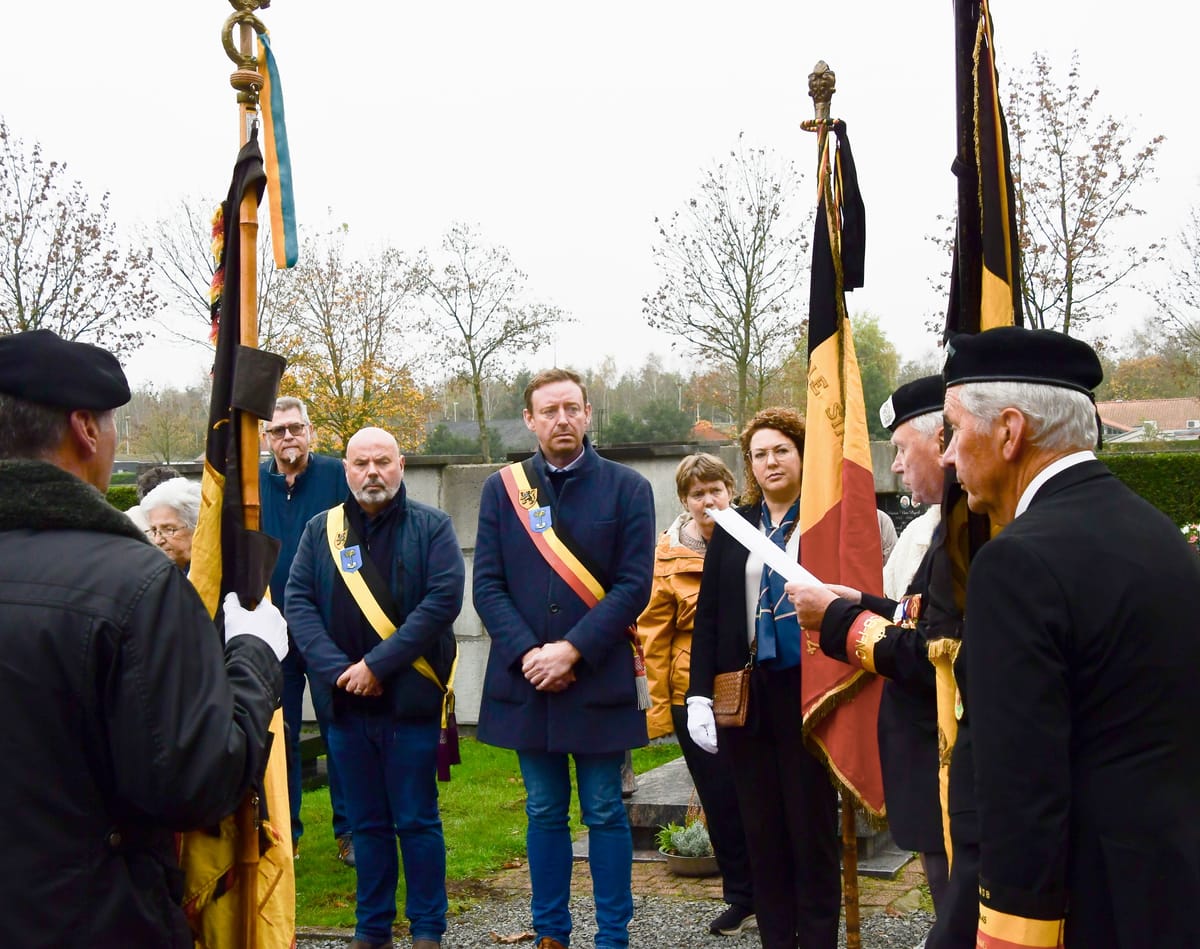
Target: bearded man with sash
(563, 567)
(375, 588)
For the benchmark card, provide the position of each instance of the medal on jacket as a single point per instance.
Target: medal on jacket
(351, 559)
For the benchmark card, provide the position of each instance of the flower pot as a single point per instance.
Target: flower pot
(691, 866)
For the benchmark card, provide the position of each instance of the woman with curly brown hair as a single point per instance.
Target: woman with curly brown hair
(788, 805)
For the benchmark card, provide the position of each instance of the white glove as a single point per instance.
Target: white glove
(702, 727)
(265, 622)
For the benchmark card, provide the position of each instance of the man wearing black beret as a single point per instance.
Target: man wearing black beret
(124, 717)
(888, 635)
(1078, 666)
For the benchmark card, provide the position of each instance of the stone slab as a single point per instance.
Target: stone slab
(663, 796)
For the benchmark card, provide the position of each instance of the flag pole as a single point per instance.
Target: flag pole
(248, 83)
(822, 84)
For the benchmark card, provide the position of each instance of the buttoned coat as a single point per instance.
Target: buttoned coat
(1081, 651)
(608, 509)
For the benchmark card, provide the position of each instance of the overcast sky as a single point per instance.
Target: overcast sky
(562, 130)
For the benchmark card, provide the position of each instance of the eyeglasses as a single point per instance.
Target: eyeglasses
(780, 454)
(292, 428)
(168, 531)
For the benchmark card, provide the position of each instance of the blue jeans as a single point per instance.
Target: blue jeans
(293, 711)
(389, 783)
(548, 839)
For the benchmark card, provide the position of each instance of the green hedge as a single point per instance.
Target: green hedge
(122, 496)
(1168, 480)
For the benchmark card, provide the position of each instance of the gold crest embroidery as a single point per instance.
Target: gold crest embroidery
(528, 498)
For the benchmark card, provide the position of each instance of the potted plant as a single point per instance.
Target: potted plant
(687, 848)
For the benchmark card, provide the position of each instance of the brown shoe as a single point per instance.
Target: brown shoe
(547, 943)
(425, 944)
(363, 944)
(345, 847)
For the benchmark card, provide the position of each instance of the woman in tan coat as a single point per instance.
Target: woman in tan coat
(703, 481)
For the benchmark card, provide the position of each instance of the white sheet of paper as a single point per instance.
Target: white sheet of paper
(757, 543)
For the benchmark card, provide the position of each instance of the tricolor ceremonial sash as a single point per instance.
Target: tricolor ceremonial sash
(523, 486)
(373, 597)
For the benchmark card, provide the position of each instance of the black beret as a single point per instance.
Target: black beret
(1013, 354)
(41, 367)
(920, 397)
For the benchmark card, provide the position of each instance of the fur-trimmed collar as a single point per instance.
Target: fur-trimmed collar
(36, 495)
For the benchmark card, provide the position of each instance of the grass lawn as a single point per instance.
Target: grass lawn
(483, 813)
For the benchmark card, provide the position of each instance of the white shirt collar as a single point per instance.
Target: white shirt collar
(1055, 467)
(569, 466)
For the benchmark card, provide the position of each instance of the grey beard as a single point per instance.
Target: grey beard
(291, 456)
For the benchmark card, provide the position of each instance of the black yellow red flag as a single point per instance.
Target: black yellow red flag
(985, 292)
(227, 557)
(838, 522)
(985, 288)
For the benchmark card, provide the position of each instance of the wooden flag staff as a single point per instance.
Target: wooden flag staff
(248, 82)
(822, 83)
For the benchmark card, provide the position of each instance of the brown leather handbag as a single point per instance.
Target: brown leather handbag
(731, 698)
(731, 693)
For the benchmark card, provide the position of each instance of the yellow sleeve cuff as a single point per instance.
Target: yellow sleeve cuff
(999, 930)
(865, 633)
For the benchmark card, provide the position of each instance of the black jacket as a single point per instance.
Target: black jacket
(720, 640)
(122, 719)
(1081, 651)
(908, 735)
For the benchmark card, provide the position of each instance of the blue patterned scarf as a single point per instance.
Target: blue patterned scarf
(775, 623)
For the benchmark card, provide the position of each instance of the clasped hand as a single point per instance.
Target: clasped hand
(550, 668)
(358, 679)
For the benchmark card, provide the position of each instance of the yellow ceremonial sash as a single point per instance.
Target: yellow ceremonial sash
(335, 533)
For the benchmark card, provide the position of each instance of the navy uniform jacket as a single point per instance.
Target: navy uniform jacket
(1081, 652)
(608, 510)
(908, 735)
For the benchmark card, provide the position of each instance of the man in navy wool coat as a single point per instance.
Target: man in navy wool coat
(560, 678)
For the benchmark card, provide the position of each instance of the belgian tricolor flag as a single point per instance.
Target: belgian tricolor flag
(985, 285)
(838, 522)
(985, 292)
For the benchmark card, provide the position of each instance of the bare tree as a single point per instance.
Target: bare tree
(478, 296)
(731, 264)
(1179, 297)
(353, 363)
(1076, 171)
(184, 265)
(61, 267)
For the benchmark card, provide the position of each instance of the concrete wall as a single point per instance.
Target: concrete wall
(455, 488)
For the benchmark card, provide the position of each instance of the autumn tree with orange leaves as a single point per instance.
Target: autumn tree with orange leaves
(353, 358)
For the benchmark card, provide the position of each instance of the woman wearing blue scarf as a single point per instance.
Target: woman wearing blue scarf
(787, 802)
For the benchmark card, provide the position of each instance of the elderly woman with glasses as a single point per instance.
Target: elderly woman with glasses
(172, 510)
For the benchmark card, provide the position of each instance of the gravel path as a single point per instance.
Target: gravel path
(657, 922)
